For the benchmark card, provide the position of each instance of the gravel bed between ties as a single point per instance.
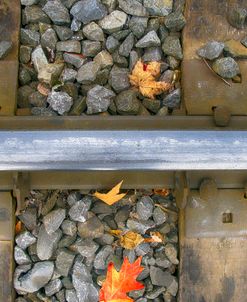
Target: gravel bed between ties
(64, 243)
(76, 56)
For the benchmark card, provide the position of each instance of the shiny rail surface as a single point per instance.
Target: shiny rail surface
(122, 150)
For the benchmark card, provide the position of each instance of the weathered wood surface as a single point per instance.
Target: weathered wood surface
(6, 247)
(9, 30)
(207, 20)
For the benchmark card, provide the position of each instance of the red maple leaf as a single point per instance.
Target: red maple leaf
(118, 284)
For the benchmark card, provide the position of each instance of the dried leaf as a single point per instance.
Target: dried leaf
(155, 237)
(43, 90)
(161, 192)
(118, 284)
(144, 77)
(18, 227)
(112, 196)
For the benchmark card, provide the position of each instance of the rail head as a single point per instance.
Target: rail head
(122, 150)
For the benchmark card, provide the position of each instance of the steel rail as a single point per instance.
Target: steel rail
(122, 150)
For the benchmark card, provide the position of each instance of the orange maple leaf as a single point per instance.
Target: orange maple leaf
(112, 196)
(118, 284)
(144, 77)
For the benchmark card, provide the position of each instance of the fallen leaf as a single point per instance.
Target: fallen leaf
(112, 196)
(144, 77)
(18, 227)
(43, 90)
(130, 240)
(118, 284)
(161, 192)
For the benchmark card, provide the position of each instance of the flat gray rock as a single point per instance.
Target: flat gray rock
(21, 257)
(100, 261)
(53, 287)
(99, 99)
(88, 10)
(172, 47)
(145, 207)
(37, 277)
(53, 220)
(29, 37)
(226, 67)
(69, 227)
(5, 47)
(86, 247)
(57, 12)
(212, 50)
(151, 39)
(79, 211)
(25, 239)
(158, 7)
(175, 21)
(127, 45)
(127, 102)
(49, 39)
(113, 22)
(119, 79)
(93, 32)
(60, 101)
(92, 228)
(140, 226)
(160, 277)
(133, 7)
(87, 73)
(69, 46)
(173, 100)
(64, 261)
(47, 244)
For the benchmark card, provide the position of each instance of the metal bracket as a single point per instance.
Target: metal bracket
(21, 189)
(181, 189)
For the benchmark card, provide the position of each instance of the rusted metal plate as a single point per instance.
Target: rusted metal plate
(213, 270)
(7, 220)
(207, 20)
(9, 30)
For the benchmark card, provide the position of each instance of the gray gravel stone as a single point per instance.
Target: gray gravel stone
(74, 59)
(68, 3)
(140, 226)
(75, 25)
(29, 2)
(69, 227)
(86, 247)
(159, 216)
(133, 59)
(39, 59)
(119, 79)
(83, 284)
(237, 16)
(79, 211)
(61, 295)
(49, 39)
(100, 261)
(152, 54)
(151, 39)
(127, 102)
(127, 45)
(226, 67)
(151, 105)
(88, 10)
(87, 73)
(38, 111)
(112, 44)
(53, 220)
(57, 12)
(137, 293)
(172, 47)
(144, 207)
(90, 48)
(171, 253)
(70, 295)
(119, 60)
(53, 287)
(25, 239)
(69, 46)
(158, 7)
(173, 99)
(5, 48)
(173, 288)
(104, 59)
(21, 257)
(92, 228)
(113, 22)
(106, 239)
(212, 50)
(23, 96)
(143, 249)
(34, 14)
(133, 7)
(93, 32)
(47, 244)
(60, 101)
(64, 33)
(138, 25)
(29, 37)
(175, 21)
(24, 76)
(160, 277)
(29, 218)
(69, 75)
(99, 99)
(37, 277)
(64, 261)
(155, 293)
(25, 54)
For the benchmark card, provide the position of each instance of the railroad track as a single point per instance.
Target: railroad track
(204, 164)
